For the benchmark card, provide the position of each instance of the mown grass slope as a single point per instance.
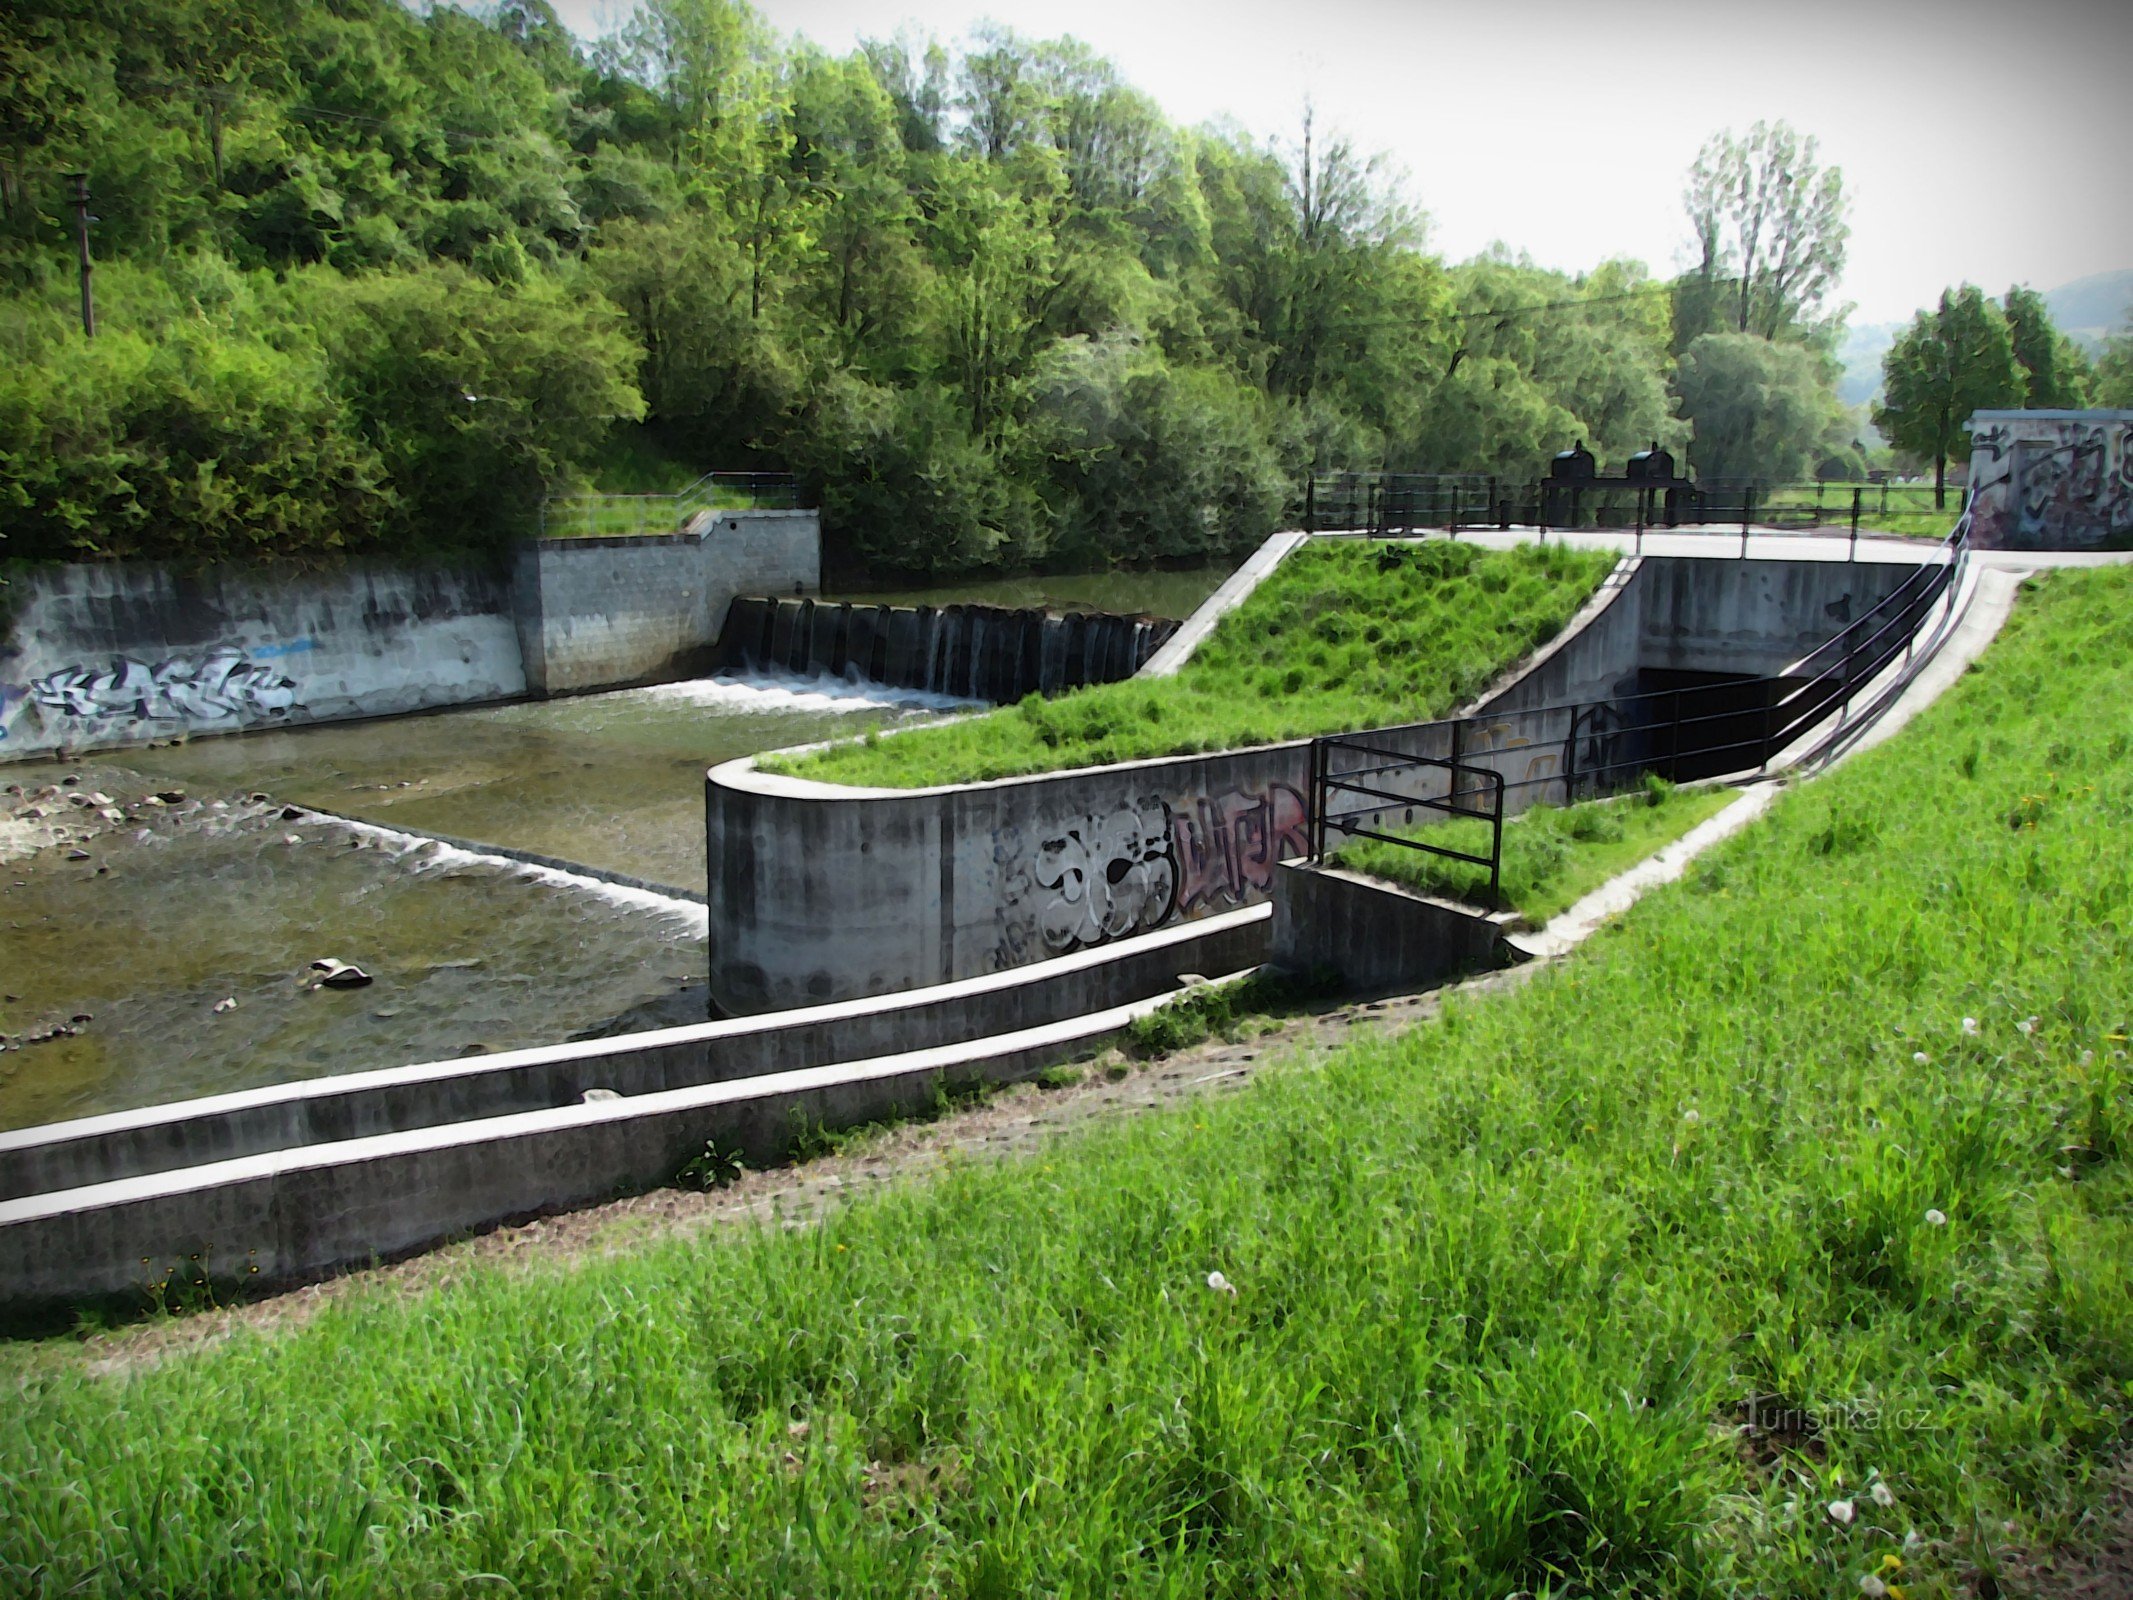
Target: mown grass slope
(1339, 637)
(1835, 1129)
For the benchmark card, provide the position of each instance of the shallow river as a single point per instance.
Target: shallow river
(184, 937)
(200, 904)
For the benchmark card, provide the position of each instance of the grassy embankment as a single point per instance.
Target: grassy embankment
(1339, 637)
(1833, 1133)
(1552, 855)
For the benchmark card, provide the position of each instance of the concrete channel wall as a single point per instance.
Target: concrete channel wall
(102, 655)
(822, 891)
(107, 654)
(130, 1144)
(284, 1216)
(594, 613)
(274, 1186)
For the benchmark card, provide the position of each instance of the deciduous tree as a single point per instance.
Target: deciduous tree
(1951, 361)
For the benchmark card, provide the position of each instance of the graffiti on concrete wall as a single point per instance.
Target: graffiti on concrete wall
(2051, 482)
(221, 686)
(1228, 845)
(1104, 877)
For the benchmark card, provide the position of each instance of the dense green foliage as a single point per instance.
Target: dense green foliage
(373, 276)
(1552, 855)
(1338, 637)
(1971, 354)
(1508, 1286)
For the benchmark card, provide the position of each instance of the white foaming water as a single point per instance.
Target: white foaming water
(768, 693)
(421, 853)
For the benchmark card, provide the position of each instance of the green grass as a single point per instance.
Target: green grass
(1504, 1284)
(1339, 637)
(1905, 510)
(1552, 856)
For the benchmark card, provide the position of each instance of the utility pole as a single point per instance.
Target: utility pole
(82, 219)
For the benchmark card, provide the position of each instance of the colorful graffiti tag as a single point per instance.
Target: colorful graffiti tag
(224, 685)
(1106, 877)
(2051, 482)
(1229, 844)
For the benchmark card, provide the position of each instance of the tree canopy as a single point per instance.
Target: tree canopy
(379, 278)
(1951, 361)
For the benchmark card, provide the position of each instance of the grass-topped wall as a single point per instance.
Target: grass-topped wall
(1340, 637)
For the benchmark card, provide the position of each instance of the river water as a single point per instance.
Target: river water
(219, 898)
(184, 935)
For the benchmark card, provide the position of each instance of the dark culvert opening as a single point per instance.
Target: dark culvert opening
(1705, 724)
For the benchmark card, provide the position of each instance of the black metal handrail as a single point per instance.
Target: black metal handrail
(1325, 783)
(1611, 744)
(1404, 504)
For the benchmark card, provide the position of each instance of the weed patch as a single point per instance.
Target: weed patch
(1552, 856)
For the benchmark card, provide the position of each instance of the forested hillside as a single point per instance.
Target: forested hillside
(369, 278)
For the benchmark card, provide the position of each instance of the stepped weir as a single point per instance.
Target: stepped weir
(974, 652)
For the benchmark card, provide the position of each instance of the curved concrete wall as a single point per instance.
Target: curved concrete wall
(822, 892)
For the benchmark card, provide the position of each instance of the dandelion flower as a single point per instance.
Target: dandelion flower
(1935, 1217)
(1840, 1512)
(1884, 1496)
(2026, 1027)
(1220, 1284)
(1921, 1058)
(1969, 1027)
(1872, 1587)
(1692, 1116)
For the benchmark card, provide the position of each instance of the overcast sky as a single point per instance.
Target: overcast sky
(1987, 141)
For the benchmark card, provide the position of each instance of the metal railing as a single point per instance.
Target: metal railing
(1397, 504)
(1597, 747)
(1325, 784)
(586, 516)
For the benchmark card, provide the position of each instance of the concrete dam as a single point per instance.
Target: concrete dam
(974, 652)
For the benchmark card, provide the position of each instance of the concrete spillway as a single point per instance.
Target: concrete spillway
(976, 652)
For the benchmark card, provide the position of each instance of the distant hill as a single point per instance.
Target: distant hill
(1861, 354)
(2089, 310)
(2093, 308)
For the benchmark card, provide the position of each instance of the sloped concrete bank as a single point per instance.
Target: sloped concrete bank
(822, 891)
(285, 1216)
(304, 1178)
(126, 1144)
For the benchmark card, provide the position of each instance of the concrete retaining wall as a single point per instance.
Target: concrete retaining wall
(593, 613)
(820, 891)
(220, 1128)
(1376, 936)
(2051, 480)
(114, 654)
(300, 1213)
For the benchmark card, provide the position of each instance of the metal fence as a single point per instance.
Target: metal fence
(586, 516)
(1366, 785)
(1386, 504)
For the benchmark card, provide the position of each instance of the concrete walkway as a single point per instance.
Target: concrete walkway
(1719, 543)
